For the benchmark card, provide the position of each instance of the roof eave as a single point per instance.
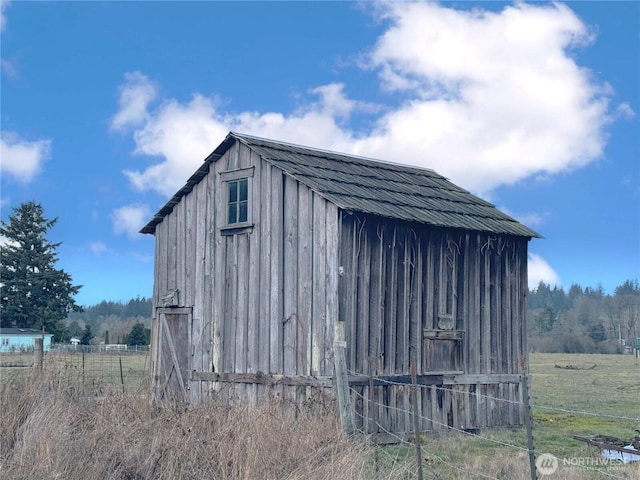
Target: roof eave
(203, 170)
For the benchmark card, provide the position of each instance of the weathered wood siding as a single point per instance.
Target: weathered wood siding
(452, 302)
(263, 300)
(266, 302)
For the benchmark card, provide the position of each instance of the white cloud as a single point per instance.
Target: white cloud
(5, 241)
(494, 97)
(135, 96)
(3, 17)
(490, 98)
(22, 159)
(540, 271)
(8, 68)
(128, 220)
(98, 248)
(184, 134)
(530, 219)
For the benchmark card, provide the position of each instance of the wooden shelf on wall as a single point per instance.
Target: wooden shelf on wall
(443, 334)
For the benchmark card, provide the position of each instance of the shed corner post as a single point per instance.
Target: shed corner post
(342, 387)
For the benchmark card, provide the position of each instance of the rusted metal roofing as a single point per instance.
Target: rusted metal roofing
(369, 186)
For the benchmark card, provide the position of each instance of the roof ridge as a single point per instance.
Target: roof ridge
(332, 154)
(324, 171)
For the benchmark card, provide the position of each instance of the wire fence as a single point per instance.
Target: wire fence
(401, 457)
(94, 370)
(99, 370)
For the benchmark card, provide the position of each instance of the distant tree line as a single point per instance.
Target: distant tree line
(583, 320)
(112, 322)
(136, 307)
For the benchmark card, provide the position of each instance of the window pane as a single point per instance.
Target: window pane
(244, 187)
(233, 191)
(242, 217)
(233, 212)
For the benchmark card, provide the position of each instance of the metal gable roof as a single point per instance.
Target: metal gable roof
(370, 186)
(23, 331)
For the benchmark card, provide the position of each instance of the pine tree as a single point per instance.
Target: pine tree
(87, 335)
(33, 292)
(137, 335)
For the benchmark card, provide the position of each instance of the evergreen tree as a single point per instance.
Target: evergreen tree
(33, 292)
(87, 335)
(137, 335)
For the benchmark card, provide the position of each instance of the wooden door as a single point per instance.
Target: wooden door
(174, 338)
(443, 351)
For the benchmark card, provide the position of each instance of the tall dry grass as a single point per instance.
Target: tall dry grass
(49, 429)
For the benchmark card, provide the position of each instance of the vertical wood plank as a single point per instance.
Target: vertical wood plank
(362, 304)
(230, 312)
(180, 238)
(290, 274)
(304, 300)
(376, 294)
(415, 311)
(477, 366)
(276, 311)
(351, 266)
(318, 314)
(205, 267)
(494, 288)
(171, 250)
(191, 232)
(217, 266)
(191, 227)
(409, 263)
(471, 340)
(390, 302)
(254, 253)
(333, 235)
(522, 297)
(430, 284)
(402, 304)
(485, 251)
(241, 308)
(231, 156)
(264, 208)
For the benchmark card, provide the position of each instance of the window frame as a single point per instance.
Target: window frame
(228, 177)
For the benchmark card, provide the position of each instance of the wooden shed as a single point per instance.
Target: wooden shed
(273, 253)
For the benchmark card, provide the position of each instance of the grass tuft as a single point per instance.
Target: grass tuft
(51, 431)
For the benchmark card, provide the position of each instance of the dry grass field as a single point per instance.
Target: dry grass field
(53, 426)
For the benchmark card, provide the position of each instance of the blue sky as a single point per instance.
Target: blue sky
(107, 108)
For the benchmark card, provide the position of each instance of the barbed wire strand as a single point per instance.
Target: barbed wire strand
(365, 420)
(489, 397)
(579, 412)
(429, 454)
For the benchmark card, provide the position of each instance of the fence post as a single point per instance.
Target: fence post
(121, 375)
(528, 418)
(416, 419)
(342, 387)
(38, 353)
(373, 409)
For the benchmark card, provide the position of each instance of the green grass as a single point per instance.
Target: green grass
(566, 403)
(583, 402)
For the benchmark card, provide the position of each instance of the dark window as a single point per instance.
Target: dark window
(238, 201)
